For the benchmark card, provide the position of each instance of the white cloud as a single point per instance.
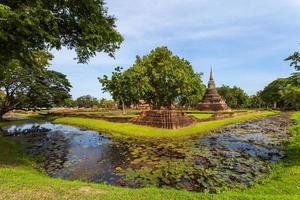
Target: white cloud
(231, 35)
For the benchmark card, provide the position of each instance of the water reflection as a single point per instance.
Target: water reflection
(70, 152)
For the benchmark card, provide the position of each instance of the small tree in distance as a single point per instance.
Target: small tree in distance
(86, 101)
(119, 86)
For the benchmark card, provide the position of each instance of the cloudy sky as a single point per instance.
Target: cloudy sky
(244, 41)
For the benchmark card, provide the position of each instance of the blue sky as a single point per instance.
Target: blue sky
(244, 41)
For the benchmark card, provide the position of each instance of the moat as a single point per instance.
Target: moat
(233, 156)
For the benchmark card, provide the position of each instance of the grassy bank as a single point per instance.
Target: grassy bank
(19, 180)
(128, 129)
(201, 115)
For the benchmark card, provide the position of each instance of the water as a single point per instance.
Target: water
(235, 155)
(70, 152)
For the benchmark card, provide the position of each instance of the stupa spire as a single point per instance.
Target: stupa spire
(212, 100)
(211, 74)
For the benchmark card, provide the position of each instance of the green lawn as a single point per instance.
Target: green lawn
(129, 129)
(201, 115)
(19, 180)
(106, 113)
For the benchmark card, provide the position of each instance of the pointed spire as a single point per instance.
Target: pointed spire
(211, 75)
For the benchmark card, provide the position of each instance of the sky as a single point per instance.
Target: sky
(245, 42)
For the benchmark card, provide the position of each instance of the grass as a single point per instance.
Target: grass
(201, 115)
(19, 180)
(115, 113)
(132, 130)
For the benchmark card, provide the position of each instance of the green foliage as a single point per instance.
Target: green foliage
(32, 88)
(283, 93)
(107, 103)
(2, 97)
(120, 87)
(86, 101)
(69, 102)
(272, 92)
(295, 60)
(26, 26)
(256, 101)
(291, 96)
(235, 97)
(168, 78)
(159, 78)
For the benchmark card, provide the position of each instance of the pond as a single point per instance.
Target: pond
(233, 156)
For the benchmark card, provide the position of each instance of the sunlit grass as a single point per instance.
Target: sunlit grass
(129, 129)
(201, 116)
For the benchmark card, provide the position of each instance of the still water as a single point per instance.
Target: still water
(227, 158)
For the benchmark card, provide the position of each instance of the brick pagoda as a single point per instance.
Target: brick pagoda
(168, 119)
(212, 101)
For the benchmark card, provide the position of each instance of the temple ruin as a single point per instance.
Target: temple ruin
(168, 119)
(212, 101)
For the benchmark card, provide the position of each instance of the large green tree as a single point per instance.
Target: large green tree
(168, 78)
(86, 101)
(37, 87)
(291, 97)
(31, 25)
(235, 97)
(160, 78)
(272, 93)
(283, 93)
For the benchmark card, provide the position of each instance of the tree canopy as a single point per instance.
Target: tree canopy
(295, 60)
(107, 103)
(86, 101)
(34, 25)
(160, 78)
(235, 97)
(33, 88)
(255, 101)
(283, 93)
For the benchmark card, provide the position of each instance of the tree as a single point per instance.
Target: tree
(167, 78)
(291, 97)
(86, 101)
(24, 88)
(159, 78)
(120, 87)
(255, 101)
(272, 93)
(107, 103)
(34, 25)
(69, 103)
(235, 97)
(285, 92)
(295, 60)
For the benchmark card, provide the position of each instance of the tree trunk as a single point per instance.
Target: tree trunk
(275, 105)
(123, 108)
(2, 113)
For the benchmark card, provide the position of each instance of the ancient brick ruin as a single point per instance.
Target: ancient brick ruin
(212, 101)
(168, 119)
